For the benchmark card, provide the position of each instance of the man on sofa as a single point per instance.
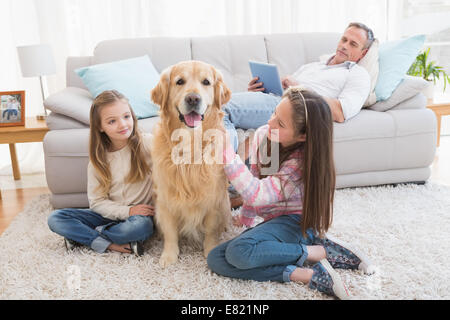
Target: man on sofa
(340, 80)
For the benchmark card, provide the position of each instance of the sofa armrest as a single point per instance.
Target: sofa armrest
(57, 121)
(71, 102)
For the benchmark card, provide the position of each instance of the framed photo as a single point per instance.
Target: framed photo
(12, 108)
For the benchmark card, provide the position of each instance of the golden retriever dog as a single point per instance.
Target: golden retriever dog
(191, 194)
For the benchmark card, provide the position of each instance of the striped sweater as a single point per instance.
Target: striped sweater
(272, 196)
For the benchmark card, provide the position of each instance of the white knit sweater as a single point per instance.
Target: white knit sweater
(122, 196)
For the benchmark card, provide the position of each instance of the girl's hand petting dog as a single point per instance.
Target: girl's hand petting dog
(228, 149)
(142, 210)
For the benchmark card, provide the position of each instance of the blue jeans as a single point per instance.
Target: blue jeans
(269, 251)
(248, 110)
(97, 232)
(9, 112)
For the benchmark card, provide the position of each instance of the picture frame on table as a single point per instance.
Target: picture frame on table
(12, 108)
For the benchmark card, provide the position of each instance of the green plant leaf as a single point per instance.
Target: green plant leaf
(428, 69)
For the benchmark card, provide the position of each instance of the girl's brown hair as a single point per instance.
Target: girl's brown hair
(313, 120)
(100, 144)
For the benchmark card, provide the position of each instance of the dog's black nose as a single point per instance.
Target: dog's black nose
(193, 99)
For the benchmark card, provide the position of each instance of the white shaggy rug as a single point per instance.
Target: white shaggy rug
(404, 230)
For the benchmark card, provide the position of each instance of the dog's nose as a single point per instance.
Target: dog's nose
(193, 99)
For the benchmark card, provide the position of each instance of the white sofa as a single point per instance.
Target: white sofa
(373, 148)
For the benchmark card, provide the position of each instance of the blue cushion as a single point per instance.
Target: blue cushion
(134, 78)
(395, 58)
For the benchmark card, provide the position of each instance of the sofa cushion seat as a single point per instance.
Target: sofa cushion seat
(383, 141)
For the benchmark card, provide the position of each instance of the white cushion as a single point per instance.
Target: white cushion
(370, 63)
(409, 87)
(72, 102)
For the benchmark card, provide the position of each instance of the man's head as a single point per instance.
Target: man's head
(354, 43)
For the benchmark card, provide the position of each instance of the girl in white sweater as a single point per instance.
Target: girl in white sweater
(120, 214)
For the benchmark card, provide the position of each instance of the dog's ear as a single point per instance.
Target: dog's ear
(160, 92)
(221, 92)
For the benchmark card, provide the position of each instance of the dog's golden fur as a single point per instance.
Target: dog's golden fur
(191, 198)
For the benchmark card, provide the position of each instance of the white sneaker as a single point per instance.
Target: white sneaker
(326, 280)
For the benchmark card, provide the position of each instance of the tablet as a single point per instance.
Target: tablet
(268, 75)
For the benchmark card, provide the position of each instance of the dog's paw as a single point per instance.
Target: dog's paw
(167, 259)
(208, 247)
(206, 252)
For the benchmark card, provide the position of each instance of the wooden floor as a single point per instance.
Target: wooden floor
(14, 200)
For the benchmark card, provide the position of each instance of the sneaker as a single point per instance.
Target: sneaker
(137, 247)
(70, 244)
(326, 280)
(342, 256)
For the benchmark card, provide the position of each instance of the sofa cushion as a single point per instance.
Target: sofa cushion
(290, 51)
(408, 87)
(72, 102)
(163, 51)
(368, 124)
(148, 124)
(418, 101)
(370, 63)
(72, 63)
(57, 121)
(395, 58)
(378, 141)
(134, 78)
(286, 51)
(230, 55)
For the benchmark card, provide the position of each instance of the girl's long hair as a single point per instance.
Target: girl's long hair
(317, 163)
(100, 144)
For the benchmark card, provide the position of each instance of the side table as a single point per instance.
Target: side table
(33, 131)
(440, 109)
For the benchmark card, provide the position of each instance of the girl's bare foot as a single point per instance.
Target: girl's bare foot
(316, 253)
(302, 275)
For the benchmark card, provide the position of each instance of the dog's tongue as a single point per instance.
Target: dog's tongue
(192, 118)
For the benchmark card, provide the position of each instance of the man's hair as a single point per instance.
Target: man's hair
(369, 32)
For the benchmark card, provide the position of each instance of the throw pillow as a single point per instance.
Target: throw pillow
(370, 63)
(71, 102)
(134, 78)
(395, 58)
(408, 87)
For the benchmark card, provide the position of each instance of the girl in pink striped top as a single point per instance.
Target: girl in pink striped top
(290, 185)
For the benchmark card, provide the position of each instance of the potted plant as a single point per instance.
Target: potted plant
(429, 71)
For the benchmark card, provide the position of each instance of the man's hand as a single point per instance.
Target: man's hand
(336, 109)
(255, 86)
(142, 210)
(288, 81)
